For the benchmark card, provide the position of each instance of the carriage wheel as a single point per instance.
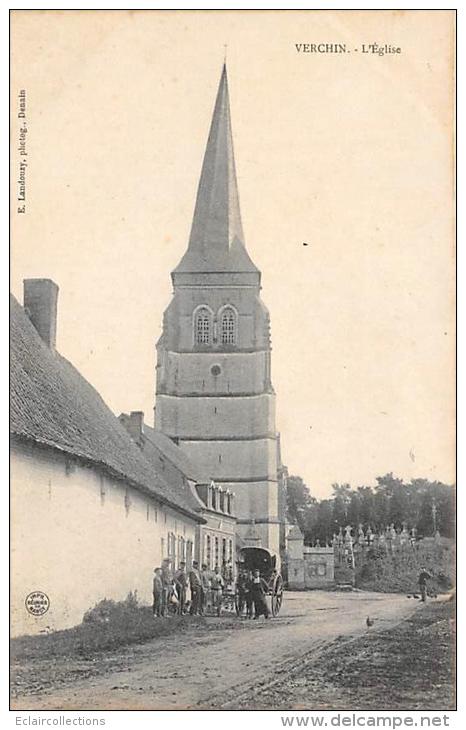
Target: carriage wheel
(277, 596)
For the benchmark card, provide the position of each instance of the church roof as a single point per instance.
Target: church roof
(53, 405)
(216, 243)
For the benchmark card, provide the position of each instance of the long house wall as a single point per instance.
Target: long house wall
(80, 536)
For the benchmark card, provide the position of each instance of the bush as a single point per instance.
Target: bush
(107, 610)
(399, 572)
(106, 626)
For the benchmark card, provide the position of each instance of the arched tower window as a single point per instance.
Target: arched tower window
(202, 326)
(228, 326)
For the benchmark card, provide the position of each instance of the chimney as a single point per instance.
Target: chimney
(134, 425)
(40, 301)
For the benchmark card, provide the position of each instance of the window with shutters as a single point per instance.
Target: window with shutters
(171, 545)
(181, 550)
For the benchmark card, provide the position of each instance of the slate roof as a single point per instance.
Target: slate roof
(216, 243)
(52, 404)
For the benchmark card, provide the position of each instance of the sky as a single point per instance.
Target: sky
(350, 153)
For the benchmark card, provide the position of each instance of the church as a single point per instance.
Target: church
(214, 392)
(91, 491)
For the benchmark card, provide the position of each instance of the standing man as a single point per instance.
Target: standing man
(195, 584)
(217, 590)
(424, 576)
(243, 591)
(181, 582)
(205, 589)
(157, 591)
(249, 598)
(167, 581)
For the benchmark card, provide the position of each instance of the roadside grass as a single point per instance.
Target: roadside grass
(106, 640)
(108, 626)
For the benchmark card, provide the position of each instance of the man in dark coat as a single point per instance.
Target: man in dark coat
(244, 593)
(424, 576)
(259, 590)
(181, 582)
(167, 581)
(249, 599)
(195, 583)
(243, 588)
(157, 591)
(205, 590)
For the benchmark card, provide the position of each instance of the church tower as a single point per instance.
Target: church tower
(214, 394)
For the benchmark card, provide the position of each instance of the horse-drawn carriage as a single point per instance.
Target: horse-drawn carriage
(265, 561)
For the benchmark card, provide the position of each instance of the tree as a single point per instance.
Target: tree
(298, 502)
(354, 509)
(367, 508)
(446, 510)
(323, 528)
(420, 503)
(341, 501)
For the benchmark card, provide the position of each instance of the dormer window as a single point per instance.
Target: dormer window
(202, 326)
(228, 326)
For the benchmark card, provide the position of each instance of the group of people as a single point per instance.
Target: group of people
(205, 588)
(252, 590)
(170, 589)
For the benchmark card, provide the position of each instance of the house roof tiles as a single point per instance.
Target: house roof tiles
(52, 404)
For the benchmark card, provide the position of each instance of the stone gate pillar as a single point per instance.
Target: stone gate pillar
(295, 552)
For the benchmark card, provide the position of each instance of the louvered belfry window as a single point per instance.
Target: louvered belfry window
(202, 326)
(228, 327)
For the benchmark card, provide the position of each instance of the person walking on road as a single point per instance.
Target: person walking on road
(424, 576)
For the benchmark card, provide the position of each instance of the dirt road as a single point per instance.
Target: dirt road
(207, 670)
